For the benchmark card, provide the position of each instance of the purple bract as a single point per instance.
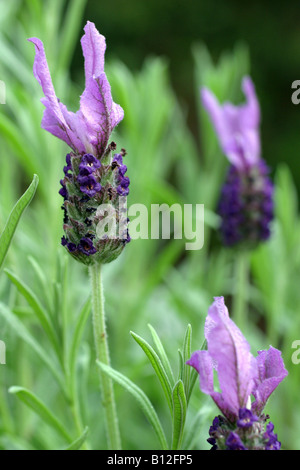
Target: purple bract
(88, 130)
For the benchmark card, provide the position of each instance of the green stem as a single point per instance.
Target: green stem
(102, 352)
(241, 281)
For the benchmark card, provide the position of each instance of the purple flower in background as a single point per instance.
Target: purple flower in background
(240, 375)
(246, 202)
(90, 175)
(237, 127)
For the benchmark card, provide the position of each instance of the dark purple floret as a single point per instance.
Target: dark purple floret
(123, 181)
(122, 191)
(89, 185)
(89, 163)
(70, 246)
(246, 205)
(63, 190)
(64, 241)
(212, 442)
(86, 246)
(122, 170)
(215, 425)
(234, 442)
(118, 158)
(272, 442)
(84, 172)
(246, 418)
(68, 167)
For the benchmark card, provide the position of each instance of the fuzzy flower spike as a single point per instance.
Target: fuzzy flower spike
(242, 425)
(246, 203)
(94, 177)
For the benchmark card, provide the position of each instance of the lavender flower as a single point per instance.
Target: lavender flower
(246, 202)
(240, 376)
(92, 175)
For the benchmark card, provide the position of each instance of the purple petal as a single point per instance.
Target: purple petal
(250, 112)
(99, 112)
(72, 132)
(57, 120)
(202, 363)
(42, 74)
(87, 130)
(93, 48)
(271, 372)
(236, 367)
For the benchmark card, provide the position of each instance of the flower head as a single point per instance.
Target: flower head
(93, 177)
(239, 373)
(246, 202)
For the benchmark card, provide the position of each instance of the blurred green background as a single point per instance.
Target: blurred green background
(158, 55)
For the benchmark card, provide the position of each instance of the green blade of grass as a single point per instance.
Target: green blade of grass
(14, 218)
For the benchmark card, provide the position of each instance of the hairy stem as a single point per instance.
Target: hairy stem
(102, 352)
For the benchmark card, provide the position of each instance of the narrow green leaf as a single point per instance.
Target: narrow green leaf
(179, 414)
(187, 352)
(14, 218)
(141, 398)
(162, 354)
(36, 405)
(180, 365)
(157, 366)
(78, 442)
(37, 307)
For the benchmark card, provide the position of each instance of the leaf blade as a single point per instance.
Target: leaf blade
(179, 414)
(141, 398)
(157, 366)
(41, 409)
(14, 218)
(162, 354)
